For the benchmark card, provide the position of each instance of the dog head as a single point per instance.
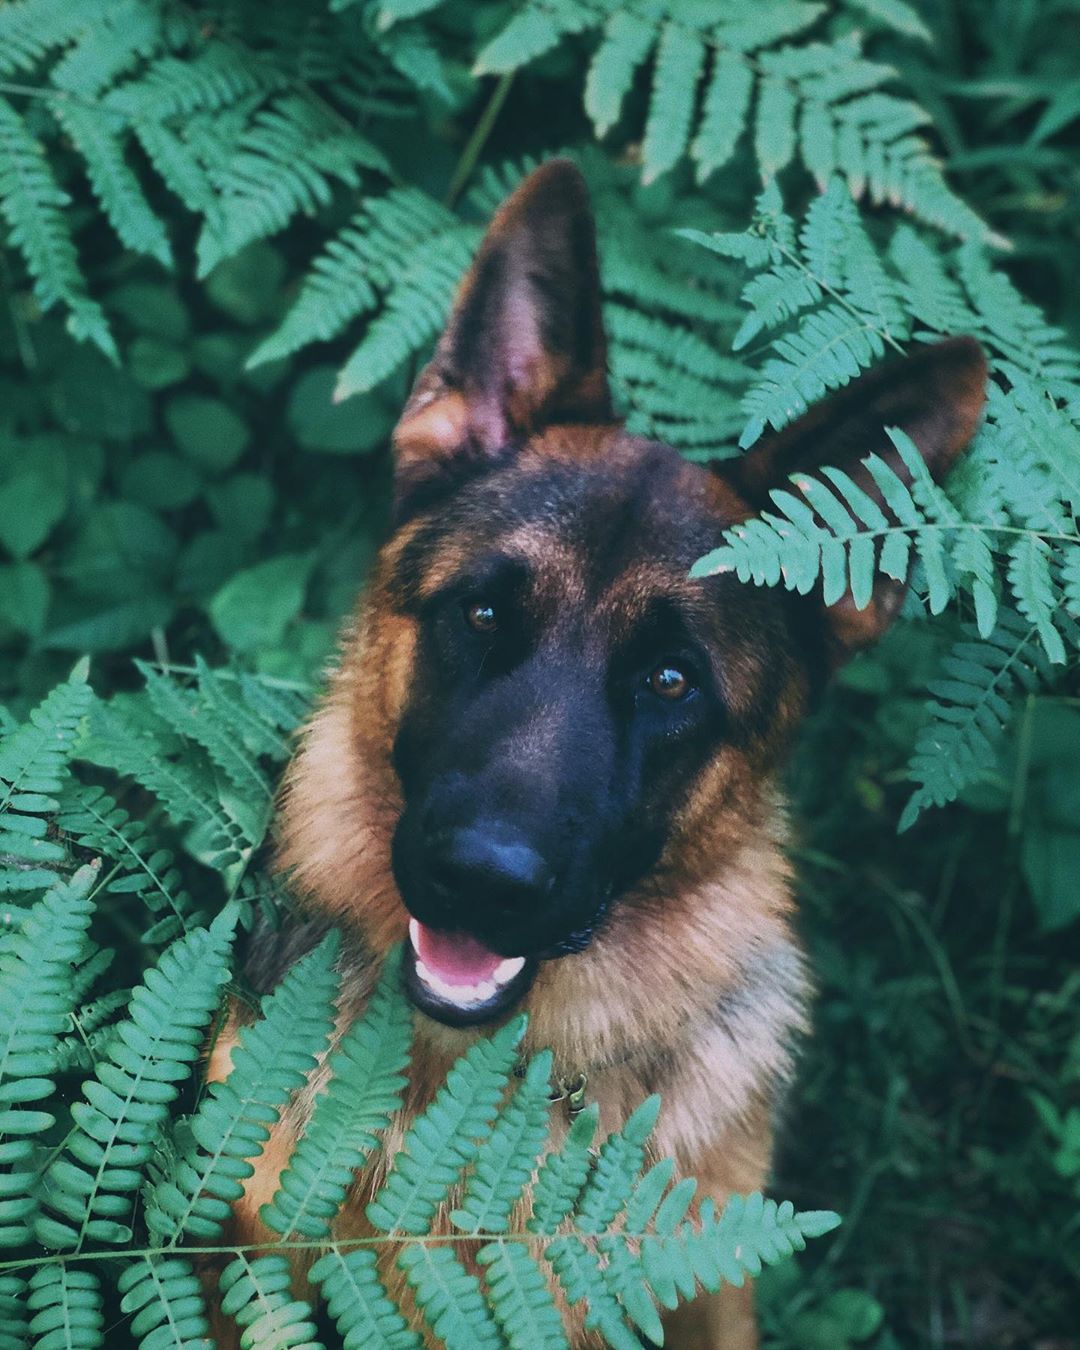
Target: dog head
(573, 713)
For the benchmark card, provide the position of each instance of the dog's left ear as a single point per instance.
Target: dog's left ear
(935, 395)
(525, 342)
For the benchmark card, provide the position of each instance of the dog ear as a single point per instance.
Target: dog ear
(935, 395)
(524, 345)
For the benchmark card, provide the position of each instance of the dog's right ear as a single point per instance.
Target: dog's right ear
(524, 345)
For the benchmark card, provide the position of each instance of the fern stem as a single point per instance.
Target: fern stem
(478, 139)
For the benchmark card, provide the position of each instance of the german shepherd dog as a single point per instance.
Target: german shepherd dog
(547, 759)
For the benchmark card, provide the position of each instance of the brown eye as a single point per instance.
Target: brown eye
(480, 616)
(669, 682)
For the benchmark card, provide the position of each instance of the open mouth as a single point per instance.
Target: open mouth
(458, 981)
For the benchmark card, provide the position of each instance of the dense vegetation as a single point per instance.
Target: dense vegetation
(232, 232)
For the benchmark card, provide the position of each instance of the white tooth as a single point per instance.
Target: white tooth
(414, 934)
(423, 972)
(505, 971)
(483, 992)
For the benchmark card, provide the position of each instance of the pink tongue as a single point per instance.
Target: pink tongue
(455, 957)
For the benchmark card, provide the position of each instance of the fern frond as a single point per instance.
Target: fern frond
(447, 1135)
(164, 1299)
(272, 1059)
(829, 349)
(358, 266)
(415, 311)
(506, 1163)
(355, 1297)
(563, 1174)
(531, 32)
(94, 136)
(611, 1180)
(66, 1308)
(37, 994)
(364, 1091)
(724, 113)
(258, 1295)
(184, 787)
(1035, 592)
(14, 1322)
(971, 704)
(33, 768)
(450, 1299)
(33, 204)
(186, 713)
(89, 1188)
(628, 39)
(95, 822)
(283, 164)
(520, 1298)
(30, 29)
(680, 59)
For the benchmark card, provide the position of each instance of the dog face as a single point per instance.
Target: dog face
(577, 707)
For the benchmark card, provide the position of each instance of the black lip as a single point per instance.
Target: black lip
(451, 1014)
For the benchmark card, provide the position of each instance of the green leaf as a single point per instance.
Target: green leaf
(24, 597)
(255, 607)
(31, 505)
(355, 426)
(207, 430)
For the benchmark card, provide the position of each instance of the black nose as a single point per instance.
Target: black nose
(487, 867)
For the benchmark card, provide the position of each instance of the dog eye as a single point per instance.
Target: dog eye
(480, 616)
(670, 682)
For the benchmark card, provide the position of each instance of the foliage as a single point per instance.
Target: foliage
(219, 217)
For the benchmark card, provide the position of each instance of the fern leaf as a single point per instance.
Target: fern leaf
(969, 709)
(258, 1295)
(113, 182)
(829, 349)
(628, 40)
(66, 1308)
(89, 1187)
(563, 1174)
(187, 793)
(724, 114)
(33, 769)
(365, 1072)
(450, 1298)
(164, 1298)
(897, 15)
(531, 32)
(581, 1277)
(184, 712)
(112, 39)
(506, 1163)
(415, 311)
(14, 1323)
(37, 993)
(748, 28)
(283, 164)
(613, 1176)
(680, 59)
(92, 818)
(774, 127)
(173, 87)
(520, 1298)
(1035, 593)
(445, 1137)
(34, 207)
(272, 1059)
(365, 1317)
